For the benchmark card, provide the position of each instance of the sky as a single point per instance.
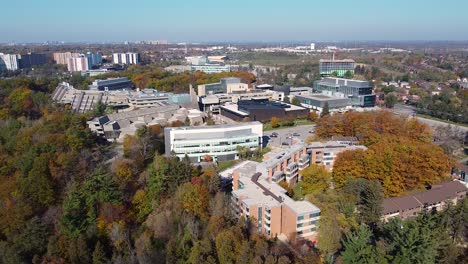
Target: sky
(232, 20)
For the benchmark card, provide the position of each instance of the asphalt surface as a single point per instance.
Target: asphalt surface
(409, 111)
(284, 133)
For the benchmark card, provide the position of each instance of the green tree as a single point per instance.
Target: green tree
(358, 247)
(99, 255)
(325, 110)
(348, 75)
(390, 100)
(314, 178)
(295, 101)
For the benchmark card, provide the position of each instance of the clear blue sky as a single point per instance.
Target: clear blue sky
(233, 20)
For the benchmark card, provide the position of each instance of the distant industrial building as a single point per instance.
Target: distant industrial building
(111, 84)
(338, 67)
(220, 142)
(359, 92)
(262, 110)
(126, 58)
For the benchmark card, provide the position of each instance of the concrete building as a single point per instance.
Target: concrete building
(213, 102)
(11, 61)
(262, 110)
(318, 101)
(126, 58)
(225, 85)
(111, 84)
(359, 92)
(266, 204)
(435, 198)
(115, 126)
(325, 153)
(211, 68)
(220, 142)
(62, 57)
(77, 64)
(339, 67)
(85, 100)
(293, 91)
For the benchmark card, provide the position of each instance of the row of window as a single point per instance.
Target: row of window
(299, 218)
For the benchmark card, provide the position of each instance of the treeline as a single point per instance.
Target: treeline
(447, 105)
(151, 76)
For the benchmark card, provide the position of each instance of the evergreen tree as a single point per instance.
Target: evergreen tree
(325, 110)
(358, 247)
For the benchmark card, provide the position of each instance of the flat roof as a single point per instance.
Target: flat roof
(322, 97)
(344, 60)
(216, 126)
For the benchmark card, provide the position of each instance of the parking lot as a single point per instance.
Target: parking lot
(284, 133)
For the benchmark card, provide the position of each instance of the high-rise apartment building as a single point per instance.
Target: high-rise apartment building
(30, 60)
(93, 59)
(62, 57)
(10, 61)
(78, 64)
(126, 58)
(338, 67)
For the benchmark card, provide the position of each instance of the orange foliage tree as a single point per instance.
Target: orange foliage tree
(400, 153)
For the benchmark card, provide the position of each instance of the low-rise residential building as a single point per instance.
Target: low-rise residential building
(435, 198)
(220, 142)
(266, 204)
(325, 153)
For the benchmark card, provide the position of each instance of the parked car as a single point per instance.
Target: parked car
(311, 131)
(274, 134)
(285, 144)
(296, 134)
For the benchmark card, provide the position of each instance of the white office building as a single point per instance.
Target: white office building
(219, 142)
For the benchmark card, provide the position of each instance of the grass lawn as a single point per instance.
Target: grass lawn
(441, 120)
(297, 122)
(223, 165)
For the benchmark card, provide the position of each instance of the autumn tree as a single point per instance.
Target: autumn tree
(275, 122)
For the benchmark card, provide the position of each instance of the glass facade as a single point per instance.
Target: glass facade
(339, 67)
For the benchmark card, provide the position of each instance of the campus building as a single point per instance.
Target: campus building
(318, 101)
(79, 63)
(219, 142)
(225, 85)
(262, 110)
(338, 67)
(111, 84)
(213, 102)
(359, 92)
(266, 204)
(435, 198)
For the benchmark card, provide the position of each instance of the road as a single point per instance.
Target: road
(284, 133)
(409, 111)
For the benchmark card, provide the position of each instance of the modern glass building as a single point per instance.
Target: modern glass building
(360, 92)
(220, 142)
(339, 67)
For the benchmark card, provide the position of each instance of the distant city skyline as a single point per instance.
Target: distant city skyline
(235, 21)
